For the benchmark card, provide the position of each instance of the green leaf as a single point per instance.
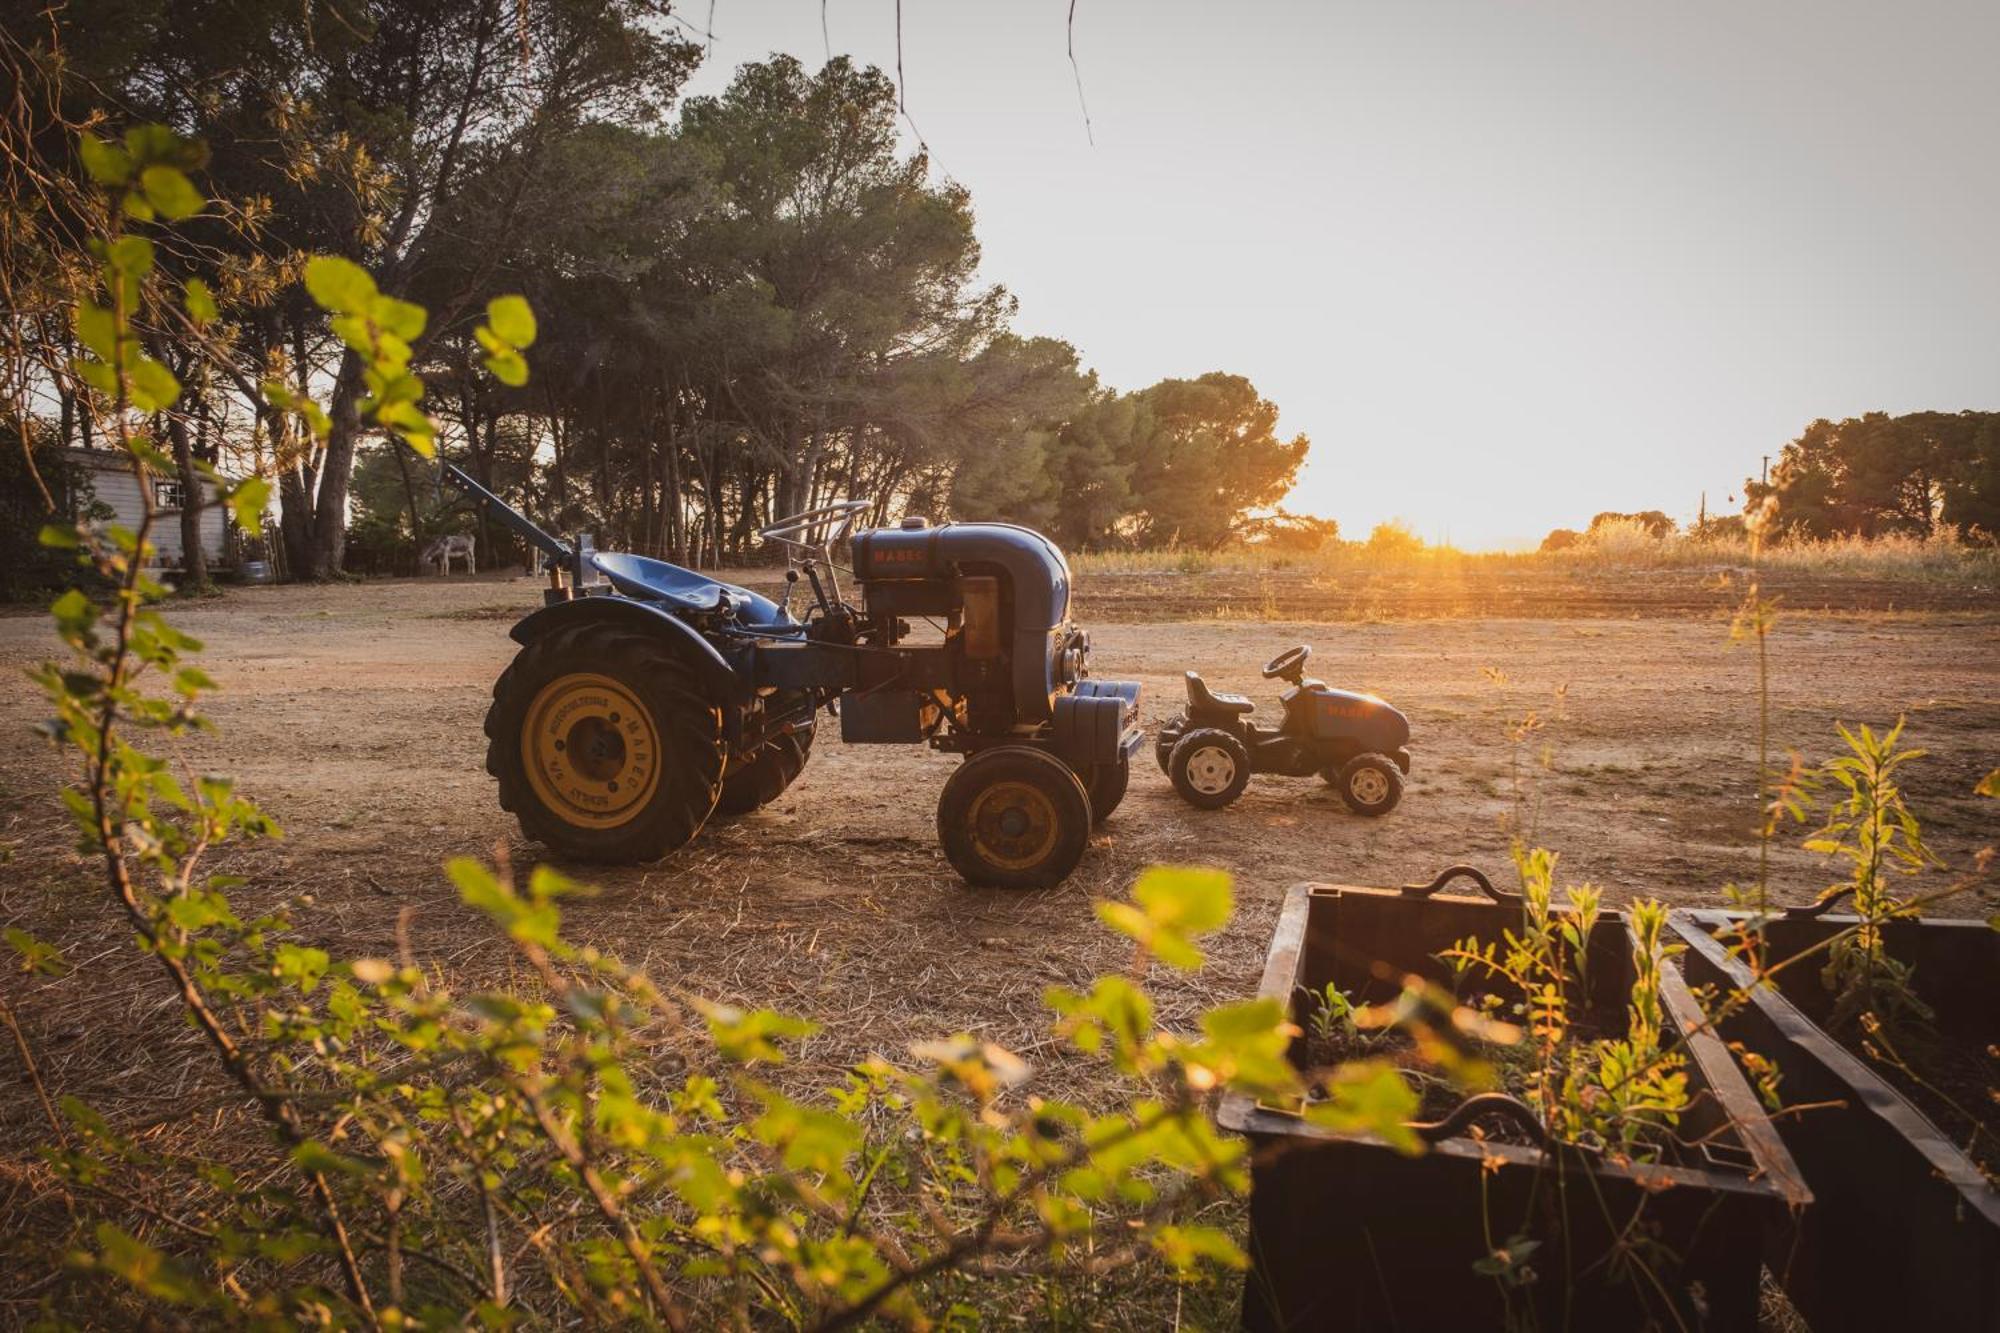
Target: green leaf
(1187, 1247)
(339, 285)
(512, 320)
(37, 956)
(200, 302)
(154, 387)
(509, 367)
(1191, 899)
(97, 375)
(750, 1036)
(247, 501)
(60, 537)
(1173, 903)
(74, 613)
(148, 1270)
(131, 256)
(1370, 1097)
(107, 163)
(97, 329)
(300, 965)
(170, 192)
(405, 319)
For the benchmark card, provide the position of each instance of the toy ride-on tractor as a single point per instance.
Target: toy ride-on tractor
(647, 699)
(1358, 743)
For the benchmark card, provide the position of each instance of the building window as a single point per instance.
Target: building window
(168, 495)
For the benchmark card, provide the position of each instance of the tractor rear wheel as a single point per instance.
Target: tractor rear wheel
(1106, 786)
(605, 744)
(1014, 817)
(1209, 767)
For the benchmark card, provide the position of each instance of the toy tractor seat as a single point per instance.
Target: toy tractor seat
(1202, 699)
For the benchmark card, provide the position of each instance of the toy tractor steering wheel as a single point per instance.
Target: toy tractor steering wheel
(1289, 665)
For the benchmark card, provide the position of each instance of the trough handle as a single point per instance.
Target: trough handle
(1482, 1104)
(1820, 908)
(1450, 873)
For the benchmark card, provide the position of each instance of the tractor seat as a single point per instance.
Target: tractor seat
(657, 581)
(1201, 697)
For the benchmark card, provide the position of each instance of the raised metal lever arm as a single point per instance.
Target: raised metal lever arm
(554, 547)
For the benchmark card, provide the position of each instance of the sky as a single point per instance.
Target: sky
(1507, 263)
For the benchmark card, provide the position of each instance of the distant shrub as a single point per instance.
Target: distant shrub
(1625, 538)
(1394, 538)
(1562, 539)
(1655, 524)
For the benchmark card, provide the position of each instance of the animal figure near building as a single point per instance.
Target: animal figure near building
(444, 550)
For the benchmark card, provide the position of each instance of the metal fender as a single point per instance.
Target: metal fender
(722, 681)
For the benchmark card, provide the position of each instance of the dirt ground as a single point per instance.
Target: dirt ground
(353, 714)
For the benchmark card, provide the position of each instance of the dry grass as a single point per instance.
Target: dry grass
(1941, 559)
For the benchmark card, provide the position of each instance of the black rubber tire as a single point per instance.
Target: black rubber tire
(686, 722)
(1391, 784)
(1193, 744)
(1051, 791)
(764, 779)
(1106, 787)
(1164, 741)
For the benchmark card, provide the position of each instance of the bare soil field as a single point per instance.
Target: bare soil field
(353, 714)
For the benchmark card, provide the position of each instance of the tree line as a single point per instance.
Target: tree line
(1922, 474)
(751, 303)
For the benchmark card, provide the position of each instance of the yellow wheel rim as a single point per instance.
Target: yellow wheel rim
(591, 751)
(1014, 825)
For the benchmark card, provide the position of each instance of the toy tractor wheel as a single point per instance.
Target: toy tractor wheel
(1014, 817)
(605, 745)
(1163, 744)
(1106, 786)
(1209, 767)
(1370, 784)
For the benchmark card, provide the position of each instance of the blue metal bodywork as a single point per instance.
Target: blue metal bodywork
(1022, 682)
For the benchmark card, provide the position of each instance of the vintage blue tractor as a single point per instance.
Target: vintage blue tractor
(648, 699)
(1356, 742)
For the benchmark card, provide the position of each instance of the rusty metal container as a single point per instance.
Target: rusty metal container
(1346, 1233)
(1904, 1231)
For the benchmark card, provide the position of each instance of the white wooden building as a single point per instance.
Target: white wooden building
(109, 473)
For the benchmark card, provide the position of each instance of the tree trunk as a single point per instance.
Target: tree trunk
(329, 516)
(194, 560)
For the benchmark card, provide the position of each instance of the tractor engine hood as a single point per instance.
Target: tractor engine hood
(1035, 579)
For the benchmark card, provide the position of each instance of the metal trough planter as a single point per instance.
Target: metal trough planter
(1345, 1233)
(1904, 1231)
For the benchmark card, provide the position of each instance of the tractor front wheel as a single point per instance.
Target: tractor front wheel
(1014, 817)
(605, 745)
(1370, 784)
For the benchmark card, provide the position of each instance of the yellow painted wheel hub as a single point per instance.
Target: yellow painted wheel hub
(1014, 825)
(591, 751)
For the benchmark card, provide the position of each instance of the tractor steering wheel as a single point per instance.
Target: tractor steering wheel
(1289, 665)
(817, 530)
